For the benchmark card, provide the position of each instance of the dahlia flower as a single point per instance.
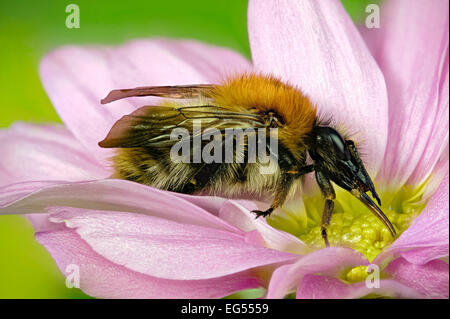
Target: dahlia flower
(388, 86)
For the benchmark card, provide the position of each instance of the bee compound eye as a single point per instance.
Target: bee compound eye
(329, 140)
(339, 146)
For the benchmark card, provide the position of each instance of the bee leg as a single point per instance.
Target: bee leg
(284, 187)
(281, 193)
(302, 171)
(265, 213)
(291, 173)
(330, 195)
(326, 218)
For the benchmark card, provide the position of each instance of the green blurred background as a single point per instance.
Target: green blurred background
(29, 29)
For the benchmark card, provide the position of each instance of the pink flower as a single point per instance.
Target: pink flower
(389, 85)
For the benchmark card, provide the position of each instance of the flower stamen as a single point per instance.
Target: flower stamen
(352, 224)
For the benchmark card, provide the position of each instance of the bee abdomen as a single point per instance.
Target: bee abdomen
(226, 179)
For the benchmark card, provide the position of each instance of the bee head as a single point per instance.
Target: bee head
(338, 159)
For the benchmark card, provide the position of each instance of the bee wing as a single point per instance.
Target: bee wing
(173, 92)
(151, 126)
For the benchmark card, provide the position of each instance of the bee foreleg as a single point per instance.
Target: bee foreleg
(330, 195)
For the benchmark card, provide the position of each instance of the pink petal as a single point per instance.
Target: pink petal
(437, 176)
(240, 216)
(15, 192)
(109, 194)
(411, 48)
(325, 261)
(211, 204)
(165, 249)
(427, 238)
(44, 152)
(254, 238)
(315, 45)
(212, 62)
(102, 278)
(430, 279)
(324, 287)
(76, 78)
(42, 223)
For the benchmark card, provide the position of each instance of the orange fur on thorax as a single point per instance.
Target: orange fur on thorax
(268, 94)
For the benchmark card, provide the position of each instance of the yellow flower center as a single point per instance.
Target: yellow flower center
(356, 274)
(352, 225)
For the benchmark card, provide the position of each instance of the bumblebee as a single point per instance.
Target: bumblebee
(249, 101)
